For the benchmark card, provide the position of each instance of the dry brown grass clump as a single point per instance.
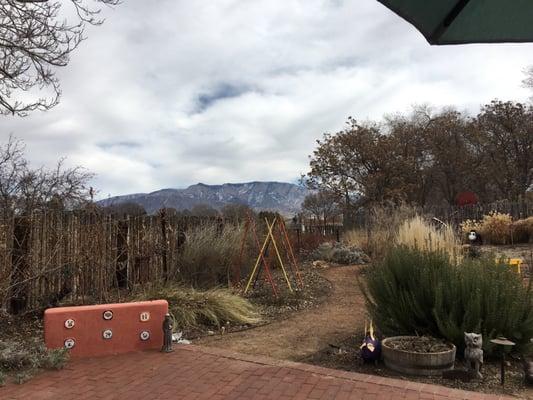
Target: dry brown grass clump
(356, 237)
(523, 230)
(209, 253)
(497, 228)
(383, 224)
(215, 307)
(417, 233)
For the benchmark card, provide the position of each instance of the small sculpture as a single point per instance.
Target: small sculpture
(168, 327)
(371, 347)
(474, 353)
(475, 238)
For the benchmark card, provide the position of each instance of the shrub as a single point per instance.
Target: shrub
(417, 233)
(208, 254)
(24, 358)
(495, 228)
(23, 376)
(523, 230)
(340, 253)
(424, 292)
(384, 222)
(356, 237)
(55, 359)
(215, 307)
(485, 296)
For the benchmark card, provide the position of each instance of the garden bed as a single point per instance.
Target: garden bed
(22, 351)
(316, 290)
(345, 355)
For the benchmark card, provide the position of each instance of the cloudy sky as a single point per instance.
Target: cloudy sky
(168, 93)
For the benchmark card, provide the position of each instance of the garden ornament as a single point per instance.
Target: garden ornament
(168, 327)
(474, 353)
(474, 237)
(501, 341)
(371, 347)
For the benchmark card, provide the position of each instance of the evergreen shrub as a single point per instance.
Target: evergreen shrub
(423, 292)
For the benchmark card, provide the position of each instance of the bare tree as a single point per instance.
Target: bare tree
(204, 210)
(322, 205)
(35, 39)
(236, 211)
(127, 208)
(23, 189)
(528, 80)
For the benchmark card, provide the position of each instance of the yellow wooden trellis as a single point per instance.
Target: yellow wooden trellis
(269, 237)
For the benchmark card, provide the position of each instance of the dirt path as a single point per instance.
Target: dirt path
(307, 332)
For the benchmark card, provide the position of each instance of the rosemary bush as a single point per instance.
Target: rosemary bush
(423, 292)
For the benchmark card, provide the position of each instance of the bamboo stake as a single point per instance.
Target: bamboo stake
(270, 227)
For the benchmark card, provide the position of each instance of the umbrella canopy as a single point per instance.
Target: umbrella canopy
(468, 21)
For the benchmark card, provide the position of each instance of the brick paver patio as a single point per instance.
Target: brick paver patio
(193, 372)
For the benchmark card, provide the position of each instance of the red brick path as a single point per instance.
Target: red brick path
(193, 372)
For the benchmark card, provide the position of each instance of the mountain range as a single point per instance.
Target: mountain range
(283, 197)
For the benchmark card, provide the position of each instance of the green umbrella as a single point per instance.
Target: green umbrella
(468, 21)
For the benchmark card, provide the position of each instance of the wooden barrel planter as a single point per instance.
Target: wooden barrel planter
(415, 363)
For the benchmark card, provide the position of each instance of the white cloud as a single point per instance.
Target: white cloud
(169, 93)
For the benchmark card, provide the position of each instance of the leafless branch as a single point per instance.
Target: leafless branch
(35, 39)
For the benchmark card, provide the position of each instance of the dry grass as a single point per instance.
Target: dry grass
(499, 228)
(209, 253)
(418, 233)
(523, 230)
(356, 237)
(215, 307)
(391, 226)
(383, 223)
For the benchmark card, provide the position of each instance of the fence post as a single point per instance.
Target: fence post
(122, 253)
(163, 216)
(18, 293)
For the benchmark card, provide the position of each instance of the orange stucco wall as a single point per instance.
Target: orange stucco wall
(89, 325)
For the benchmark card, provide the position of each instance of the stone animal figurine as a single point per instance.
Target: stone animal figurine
(474, 353)
(168, 327)
(528, 370)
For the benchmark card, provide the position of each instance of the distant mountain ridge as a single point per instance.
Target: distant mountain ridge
(277, 196)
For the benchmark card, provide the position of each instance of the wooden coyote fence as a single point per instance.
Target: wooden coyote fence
(45, 257)
(516, 209)
(362, 218)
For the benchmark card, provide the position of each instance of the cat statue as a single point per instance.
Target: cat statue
(474, 353)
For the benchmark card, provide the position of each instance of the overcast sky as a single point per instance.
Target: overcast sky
(168, 93)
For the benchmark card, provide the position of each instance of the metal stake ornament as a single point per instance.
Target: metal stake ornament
(502, 341)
